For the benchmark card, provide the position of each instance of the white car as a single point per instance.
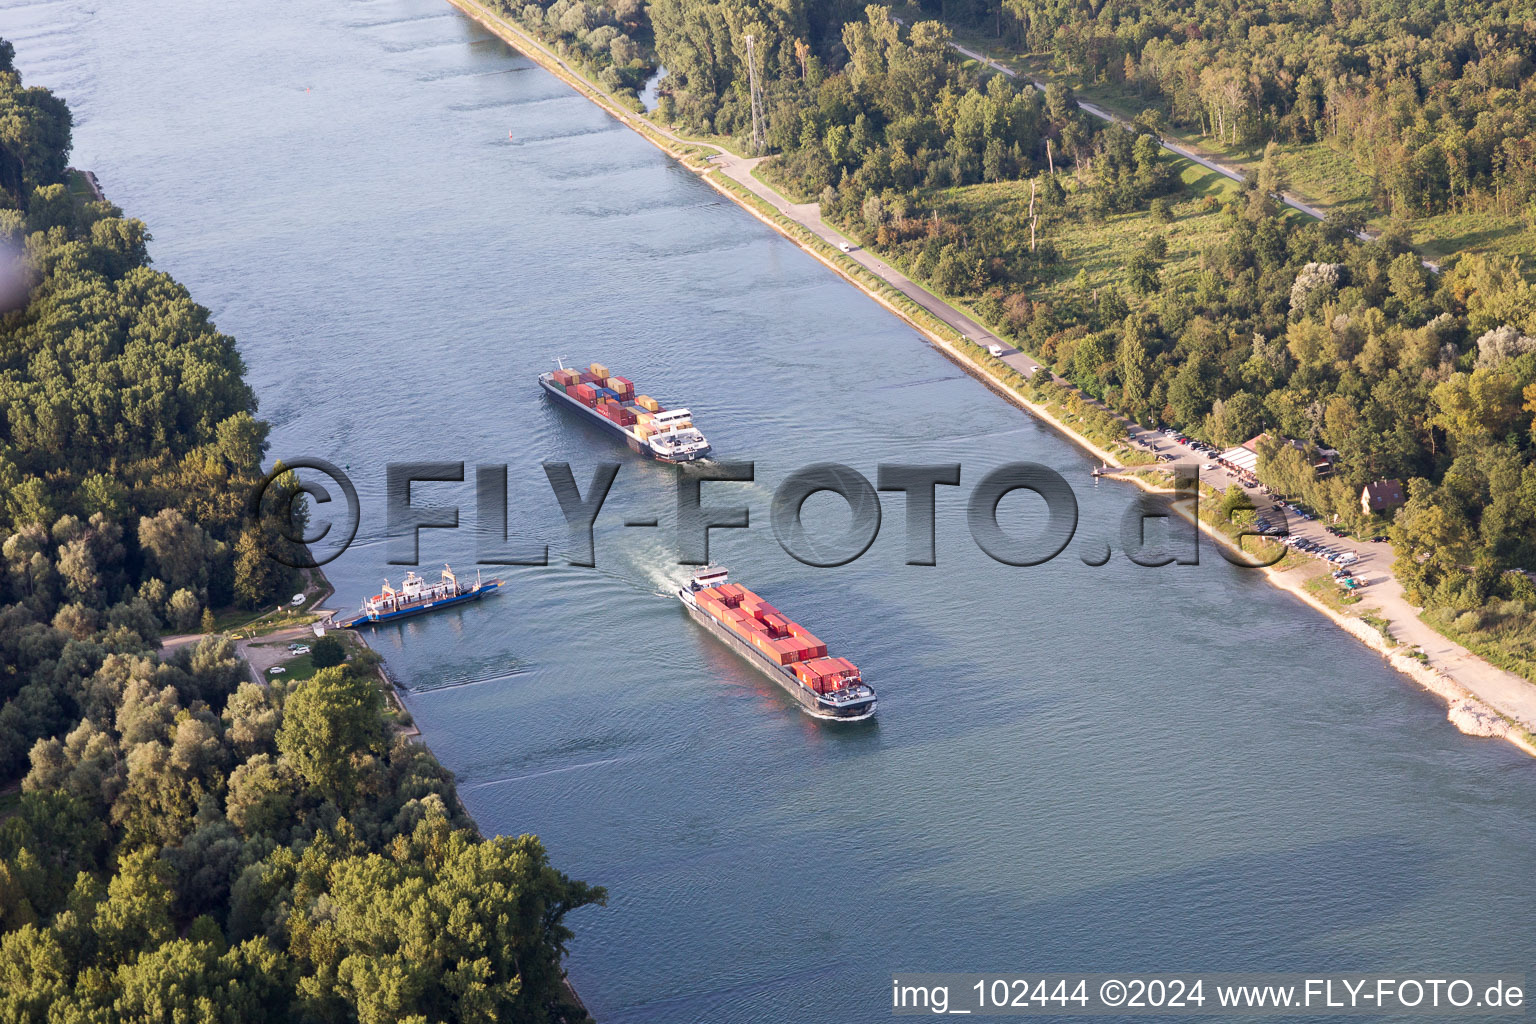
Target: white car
(996, 350)
(301, 650)
(845, 246)
(276, 670)
(1209, 467)
(296, 600)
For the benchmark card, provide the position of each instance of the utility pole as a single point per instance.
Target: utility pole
(1049, 157)
(757, 116)
(1033, 220)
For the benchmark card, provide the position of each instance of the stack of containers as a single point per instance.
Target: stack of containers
(648, 403)
(623, 386)
(645, 424)
(622, 415)
(584, 394)
(783, 641)
(590, 378)
(566, 378)
(825, 674)
(599, 370)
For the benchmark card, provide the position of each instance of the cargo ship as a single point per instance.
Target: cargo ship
(415, 597)
(786, 651)
(667, 435)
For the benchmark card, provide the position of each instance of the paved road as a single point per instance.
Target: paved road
(1172, 147)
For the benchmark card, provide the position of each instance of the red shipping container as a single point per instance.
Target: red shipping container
(584, 394)
(624, 415)
(590, 378)
(624, 385)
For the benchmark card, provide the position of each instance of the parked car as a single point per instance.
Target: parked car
(301, 650)
(276, 670)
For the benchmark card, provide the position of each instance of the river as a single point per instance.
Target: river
(1073, 768)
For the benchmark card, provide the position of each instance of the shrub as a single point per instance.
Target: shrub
(327, 652)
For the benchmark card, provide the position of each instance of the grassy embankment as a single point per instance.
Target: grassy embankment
(1499, 634)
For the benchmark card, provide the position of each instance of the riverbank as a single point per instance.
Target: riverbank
(1465, 709)
(954, 334)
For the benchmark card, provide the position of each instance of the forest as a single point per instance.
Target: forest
(185, 844)
(1431, 98)
(1230, 316)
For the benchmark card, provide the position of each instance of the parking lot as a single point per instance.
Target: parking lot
(1292, 524)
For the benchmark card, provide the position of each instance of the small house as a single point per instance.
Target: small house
(1382, 496)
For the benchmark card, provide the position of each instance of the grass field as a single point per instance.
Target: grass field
(1100, 249)
(294, 669)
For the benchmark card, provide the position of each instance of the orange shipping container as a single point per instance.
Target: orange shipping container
(789, 649)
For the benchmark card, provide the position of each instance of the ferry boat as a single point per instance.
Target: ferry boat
(667, 435)
(824, 687)
(416, 596)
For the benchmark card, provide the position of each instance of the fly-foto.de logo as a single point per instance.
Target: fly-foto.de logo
(1158, 529)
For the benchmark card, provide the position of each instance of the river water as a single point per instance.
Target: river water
(1073, 768)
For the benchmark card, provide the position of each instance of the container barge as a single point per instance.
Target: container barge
(786, 651)
(667, 435)
(415, 597)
